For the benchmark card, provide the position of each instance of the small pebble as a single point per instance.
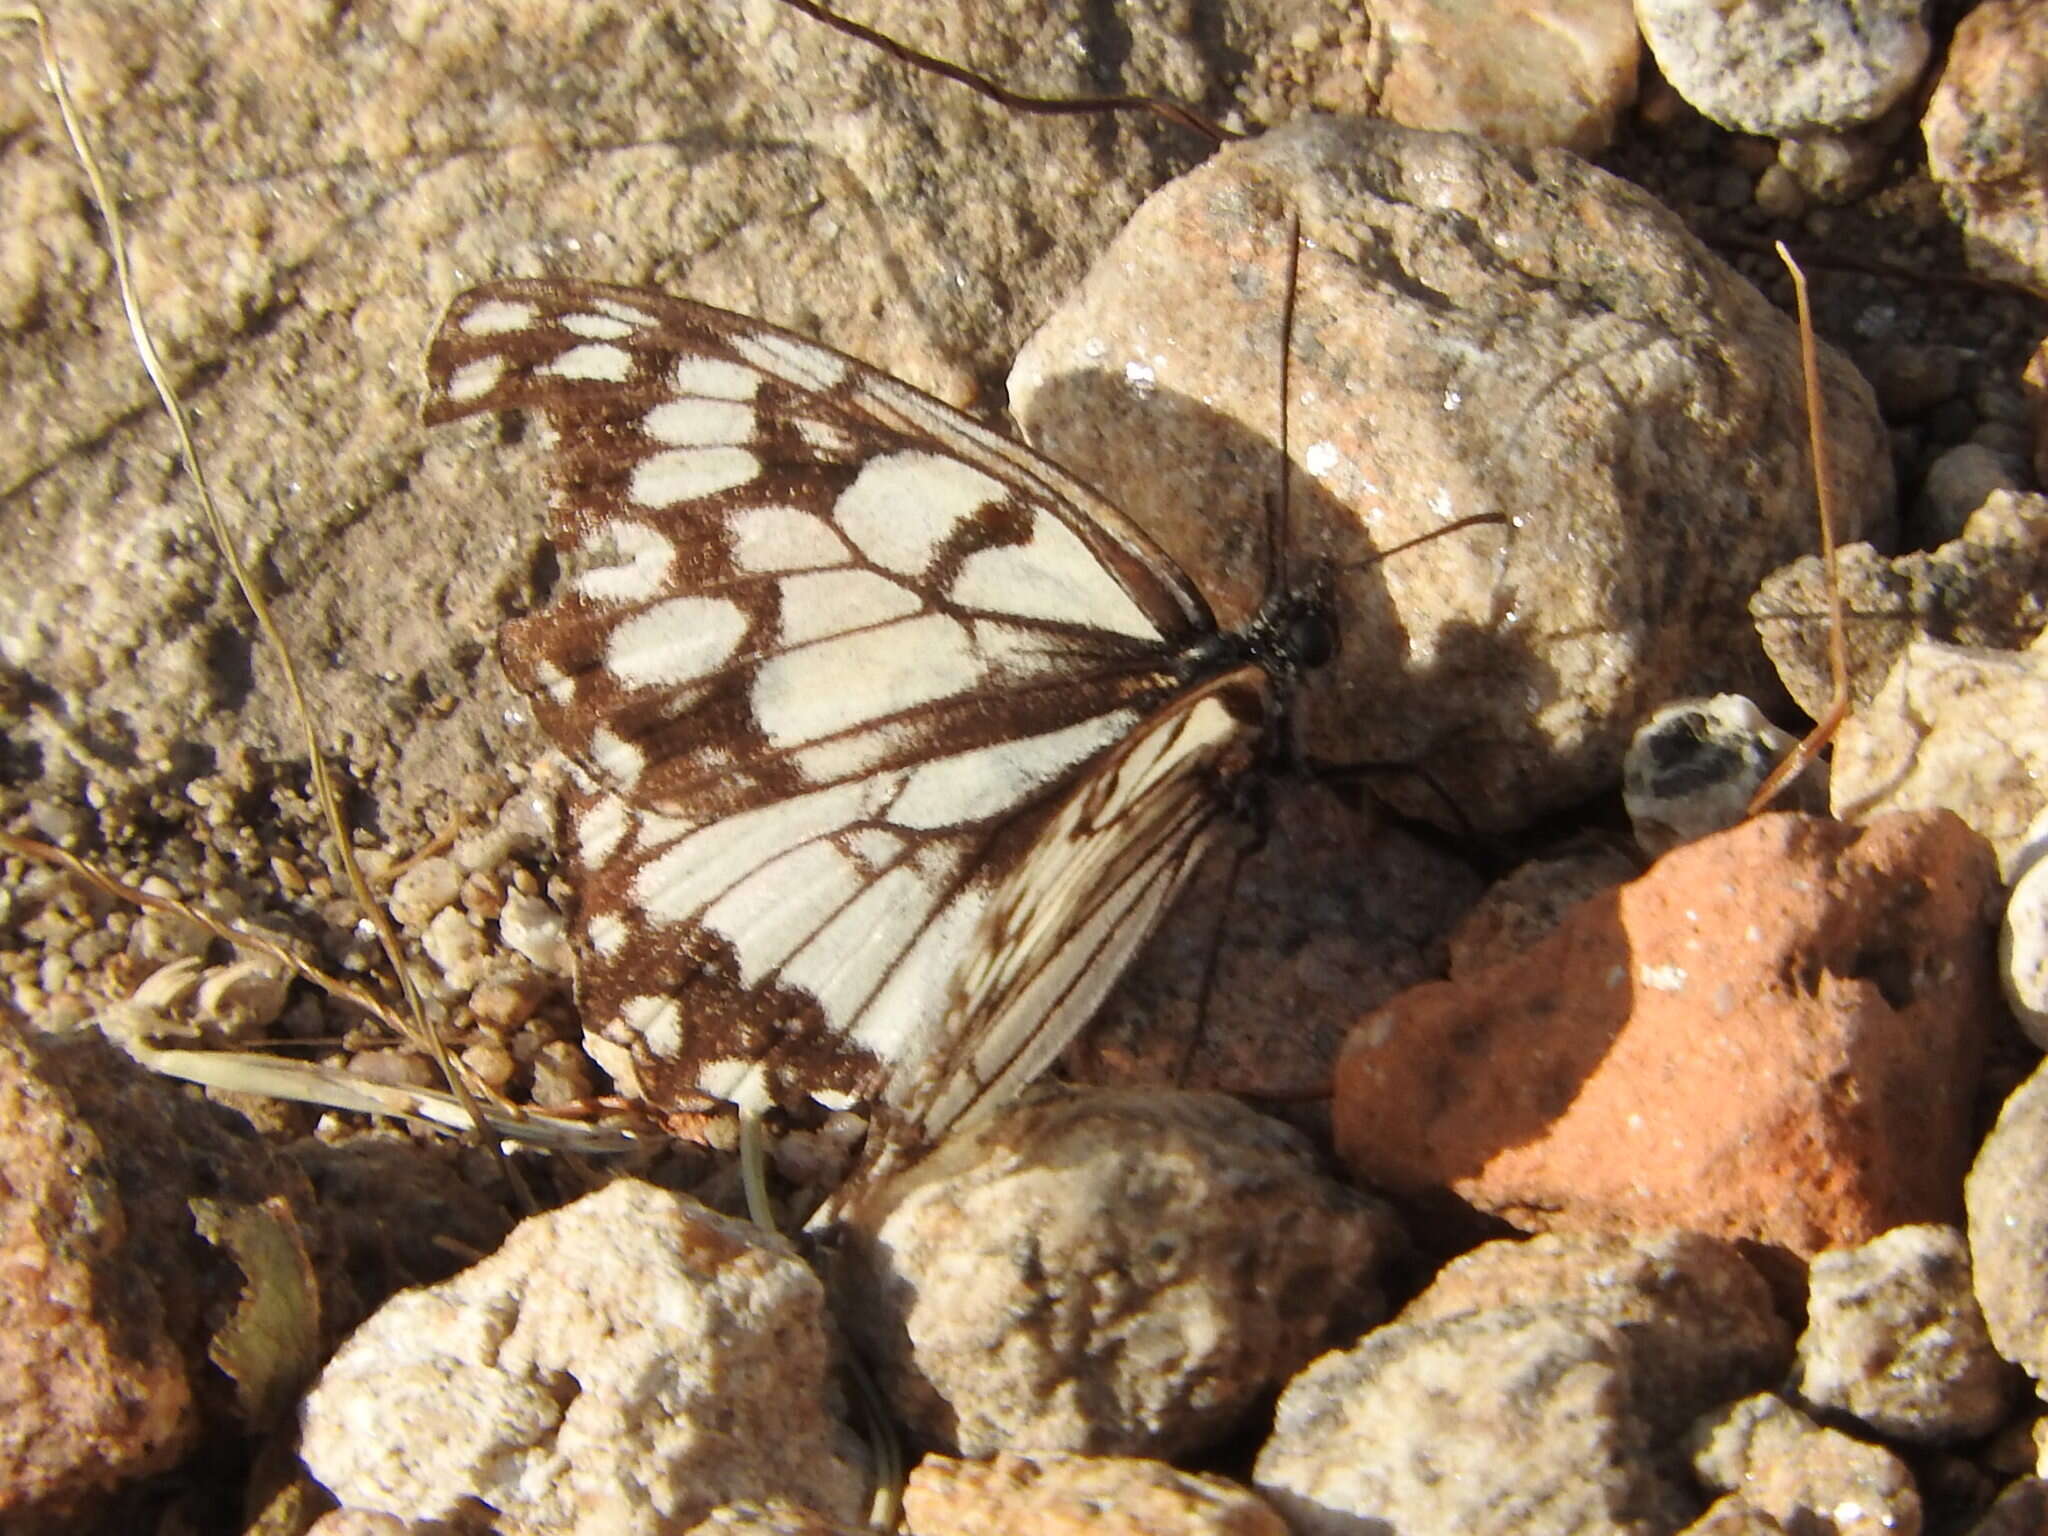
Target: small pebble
(482, 895)
(400, 1068)
(1833, 167)
(94, 947)
(1912, 378)
(1779, 194)
(166, 936)
(451, 940)
(491, 1064)
(2023, 936)
(505, 1005)
(561, 1075)
(1958, 482)
(424, 890)
(244, 998)
(2006, 438)
(537, 931)
(65, 1012)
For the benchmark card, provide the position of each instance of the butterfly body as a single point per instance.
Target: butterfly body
(895, 740)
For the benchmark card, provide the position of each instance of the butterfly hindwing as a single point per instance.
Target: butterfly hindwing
(852, 680)
(1069, 916)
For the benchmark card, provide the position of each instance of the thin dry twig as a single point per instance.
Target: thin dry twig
(1045, 106)
(1794, 762)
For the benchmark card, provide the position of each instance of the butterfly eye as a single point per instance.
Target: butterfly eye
(1311, 639)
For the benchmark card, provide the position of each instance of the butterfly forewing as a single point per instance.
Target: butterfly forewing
(892, 746)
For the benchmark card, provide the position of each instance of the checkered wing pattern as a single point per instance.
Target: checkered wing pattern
(895, 739)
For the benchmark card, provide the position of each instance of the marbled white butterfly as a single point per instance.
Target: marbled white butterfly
(897, 740)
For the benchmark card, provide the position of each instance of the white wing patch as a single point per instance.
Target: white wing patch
(676, 641)
(713, 378)
(976, 786)
(498, 317)
(474, 380)
(902, 508)
(688, 474)
(643, 572)
(779, 538)
(821, 604)
(598, 361)
(1053, 577)
(699, 423)
(867, 674)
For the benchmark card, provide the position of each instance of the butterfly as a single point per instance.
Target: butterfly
(893, 740)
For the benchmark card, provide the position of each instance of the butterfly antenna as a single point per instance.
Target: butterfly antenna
(1278, 530)
(1794, 762)
(1017, 101)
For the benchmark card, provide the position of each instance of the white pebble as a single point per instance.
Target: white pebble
(451, 941)
(537, 931)
(2023, 938)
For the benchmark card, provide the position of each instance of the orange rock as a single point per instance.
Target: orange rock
(1772, 1036)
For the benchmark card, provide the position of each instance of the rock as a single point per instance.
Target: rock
(1912, 378)
(361, 1522)
(774, 1518)
(1444, 282)
(1552, 73)
(1111, 1272)
(397, 1066)
(1054, 1495)
(1761, 66)
(1529, 902)
(1251, 982)
(1732, 1515)
(1693, 1317)
(1694, 766)
(455, 944)
(536, 930)
(561, 1075)
(2023, 936)
(159, 1320)
(1895, 1338)
(1519, 1421)
(1959, 481)
(2021, 1510)
(1803, 1476)
(2007, 1198)
(1773, 1036)
(96, 1390)
(1955, 727)
(1988, 588)
(1836, 168)
(1984, 140)
(424, 890)
(624, 1364)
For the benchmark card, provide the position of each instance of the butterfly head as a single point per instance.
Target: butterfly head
(1295, 629)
